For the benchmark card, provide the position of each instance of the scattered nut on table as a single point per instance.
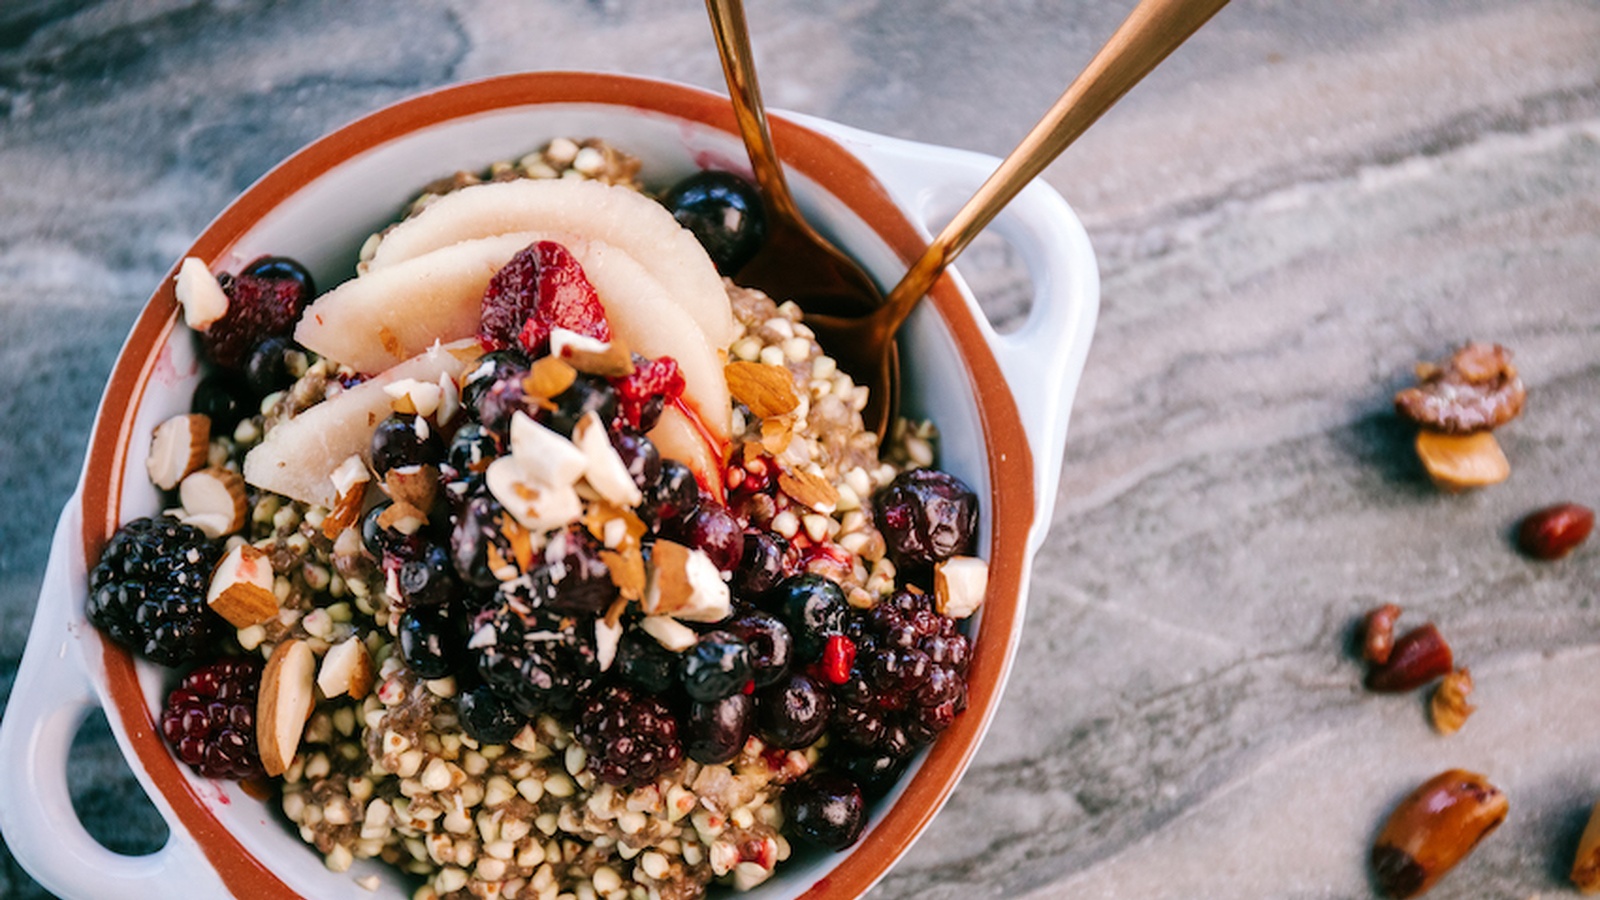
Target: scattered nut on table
(1457, 403)
(1555, 531)
(1378, 633)
(1586, 865)
(1433, 829)
(1449, 706)
(1419, 656)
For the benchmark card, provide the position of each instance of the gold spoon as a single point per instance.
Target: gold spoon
(864, 346)
(795, 262)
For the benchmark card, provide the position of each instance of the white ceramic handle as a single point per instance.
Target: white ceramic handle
(1043, 358)
(52, 696)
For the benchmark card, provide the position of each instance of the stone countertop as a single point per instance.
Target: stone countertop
(1299, 205)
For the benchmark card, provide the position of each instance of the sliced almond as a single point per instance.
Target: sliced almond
(346, 669)
(606, 636)
(200, 294)
(809, 489)
(669, 632)
(627, 571)
(542, 454)
(178, 447)
(548, 377)
(403, 517)
(241, 588)
(214, 501)
(603, 467)
(416, 485)
(449, 400)
(766, 390)
(412, 397)
(538, 505)
(1461, 462)
(959, 585)
(608, 359)
(350, 487)
(288, 692)
(686, 584)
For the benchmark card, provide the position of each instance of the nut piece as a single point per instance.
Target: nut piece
(1555, 531)
(669, 632)
(959, 584)
(416, 485)
(1420, 656)
(200, 294)
(767, 390)
(686, 584)
(1586, 865)
(284, 705)
(604, 469)
(1477, 389)
(409, 396)
(590, 355)
(1378, 641)
(1459, 462)
(1449, 705)
(349, 488)
(346, 669)
(213, 501)
(241, 588)
(177, 448)
(1434, 828)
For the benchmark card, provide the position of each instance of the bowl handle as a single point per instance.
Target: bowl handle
(51, 698)
(1043, 357)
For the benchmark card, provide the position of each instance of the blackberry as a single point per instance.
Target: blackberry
(209, 720)
(148, 592)
(537, 660)
(908, 681)
(631, 736)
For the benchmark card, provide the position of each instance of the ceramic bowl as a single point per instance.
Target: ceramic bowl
(1000, 400)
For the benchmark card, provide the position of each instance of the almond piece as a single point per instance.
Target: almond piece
(537, 505)
(606, 636)
(548, 377)
(346, 669)
(809, 489)
(766, 390)
(178, 448)
(627, 571)
(544, 455)
(1449, 706)
(669, 632)
(604, 468)
(288, 692)
(412, 397)
(200, 294)
(213, 500)
(686, 584)
(1459, 462)
(403, 517)
(449, 400)
(241, 588)
(350, 489)
(591, 356)
(416, 485)
(959, 585)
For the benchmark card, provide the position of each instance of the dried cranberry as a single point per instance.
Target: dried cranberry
(543, 287)
(265, 300)
(642, 395)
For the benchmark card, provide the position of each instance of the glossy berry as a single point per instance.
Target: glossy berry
(717, 665)
(209, 720)
(908, 682)
(642, 396)
(429, 579)
(541, 288)
(265, 300)
(572, 577)
(492, 391)
(431, 641)
(761, 567)
(631, 736)
(794, 712)
(725, 214)
(715, 732)
(813, 607)
(641, 660)
(266, 370)
(673, 498)
(148, 592)
(486, 717)
(715, 531)
(825, 808)
(768, 642)
(875, 772)
(471, 451)
(389, 542)
(535, 659)
(587, 393)
(404, 439)
(639, 455)
(476, 529)
(226, 399)
(926, 516)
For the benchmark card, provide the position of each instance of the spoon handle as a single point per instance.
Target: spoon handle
(738, 66)
(1151, 32)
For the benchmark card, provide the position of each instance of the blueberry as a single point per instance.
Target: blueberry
(381, 541)
(643, 661)
(814, 607)
(224, 398)
(761, 567)
(477, 528)
(724, 213)
(491, 368)
(588, 393)
(487, 717)
(826, 808)
(281, 268)
(405, 440)
(470, 452)
(716, 731)
(267, 368)
(573, 578)
(639, 456)
(715, 531)
(673, 498)
(794, 712)
(770, 645)
(429, 579)
(875, 772)
(716, 666)
(431, 641)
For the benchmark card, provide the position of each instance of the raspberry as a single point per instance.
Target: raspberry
(541, 288)
(642, 395)
(210, 719)
(148, 591)
(631, 736)
(264, 301)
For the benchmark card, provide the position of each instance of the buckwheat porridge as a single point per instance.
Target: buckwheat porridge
(538, 559)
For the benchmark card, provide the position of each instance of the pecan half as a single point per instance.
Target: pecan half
(1434, 828)
(1476, 389)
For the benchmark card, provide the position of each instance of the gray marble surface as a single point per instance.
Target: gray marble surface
(1300, 204)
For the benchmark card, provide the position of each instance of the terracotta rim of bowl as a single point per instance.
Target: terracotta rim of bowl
(1009, 456)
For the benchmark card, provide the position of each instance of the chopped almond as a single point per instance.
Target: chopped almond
(241, 588)
(346, 669)
(288, 693)
(959, 585)
(214, 501)
(178, 448)
(766, 390)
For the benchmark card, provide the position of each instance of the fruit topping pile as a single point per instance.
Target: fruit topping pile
(599, 551)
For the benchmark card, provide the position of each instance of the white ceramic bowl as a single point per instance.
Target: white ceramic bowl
(1001, 402)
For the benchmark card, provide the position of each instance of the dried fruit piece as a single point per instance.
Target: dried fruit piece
(287, 695)
(1420, 656)
(1434, 828)
(1555, 531)
(1476, 389)
(265, 300)
(541, 288)
(1459, 462)
(241, 588)
(1586, 865)
(1378, 637)
(177, 448)
(1449, 705)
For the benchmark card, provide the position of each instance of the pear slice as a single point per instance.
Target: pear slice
(619, 216)
(676, 437)
(372, 322)
(298, 457)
